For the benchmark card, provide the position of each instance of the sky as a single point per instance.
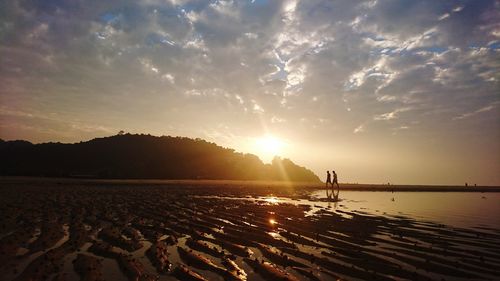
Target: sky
(405, 92)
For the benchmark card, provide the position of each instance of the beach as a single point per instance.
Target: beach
(72, 229)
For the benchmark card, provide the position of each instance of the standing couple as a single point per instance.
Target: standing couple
(332, 182)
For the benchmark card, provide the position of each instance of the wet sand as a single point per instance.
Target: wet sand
(122, 230)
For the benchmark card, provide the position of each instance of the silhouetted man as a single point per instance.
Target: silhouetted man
(335, 181)
(328, 181)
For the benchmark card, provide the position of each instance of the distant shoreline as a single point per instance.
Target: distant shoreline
(241, 183)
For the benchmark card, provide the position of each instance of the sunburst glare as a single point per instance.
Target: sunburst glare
(269, 146)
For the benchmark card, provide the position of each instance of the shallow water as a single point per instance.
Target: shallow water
(456, 209)
(459, 209)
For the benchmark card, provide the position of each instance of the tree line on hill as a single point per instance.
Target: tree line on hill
(134, 156)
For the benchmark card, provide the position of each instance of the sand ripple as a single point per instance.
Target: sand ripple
(195, 233)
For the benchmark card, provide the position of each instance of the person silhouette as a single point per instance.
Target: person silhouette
(335, 181)
(328, 181)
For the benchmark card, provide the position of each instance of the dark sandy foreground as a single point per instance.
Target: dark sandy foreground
(52, 230)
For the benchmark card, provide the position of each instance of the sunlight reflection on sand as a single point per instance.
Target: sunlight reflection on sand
(272, 199)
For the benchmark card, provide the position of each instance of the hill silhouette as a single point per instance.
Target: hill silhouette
(134, 156)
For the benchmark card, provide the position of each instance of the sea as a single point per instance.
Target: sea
(459, 209)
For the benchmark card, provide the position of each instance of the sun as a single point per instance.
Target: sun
(269, 146)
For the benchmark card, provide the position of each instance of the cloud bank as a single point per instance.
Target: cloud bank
(336, 75)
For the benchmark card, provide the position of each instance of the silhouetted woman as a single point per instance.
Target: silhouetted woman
(328, 182)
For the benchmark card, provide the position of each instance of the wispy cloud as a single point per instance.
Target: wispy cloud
(183, 66)
(390, 115)
(475, 112)
(359, 129)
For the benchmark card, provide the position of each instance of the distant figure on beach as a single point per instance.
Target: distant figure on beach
(328, 181)
(335, 181)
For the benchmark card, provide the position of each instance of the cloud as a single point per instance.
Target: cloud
(359, 129)
(162, 65)
(475, 112)
(390, 115)
(49, 125)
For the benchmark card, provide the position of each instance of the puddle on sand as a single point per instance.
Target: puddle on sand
(68, 269)
(110, 268)
(175, 259)
(26, 260)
